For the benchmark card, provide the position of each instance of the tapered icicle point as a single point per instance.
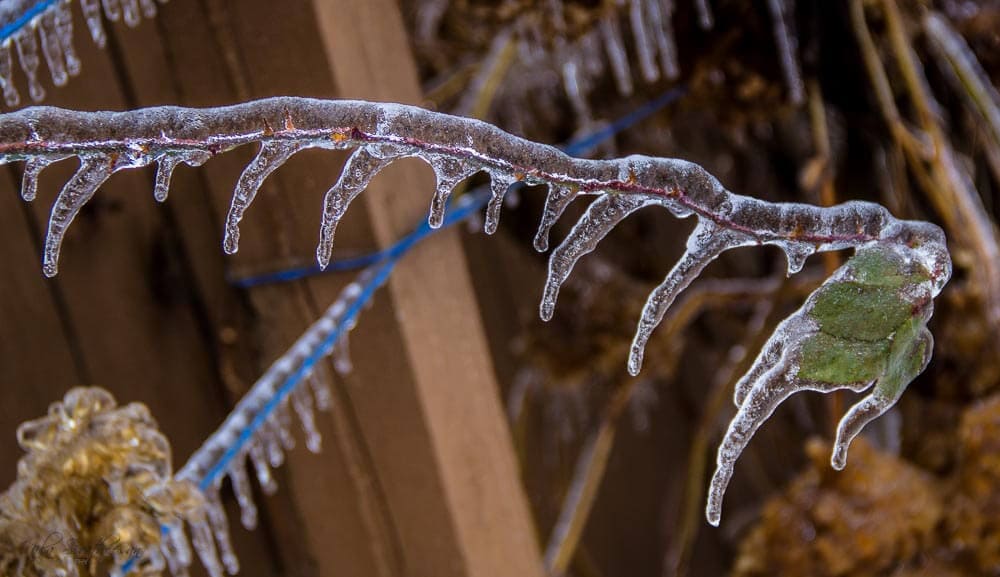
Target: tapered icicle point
(32, 168)
(284, 423)
(112, 10)
(27, 52)
(93, 171)
(220, 528)
(614, 45)
(787, 42)
(303, 404)
(258, 457)
(643, 45)
(244, 496)
(499, 185)
(341, 355)
(759, 405)
(64, 31)
(10, 95)
(599, 219)
(661, 21)
(705, 18)
(164, 170)
(319, 382)
(130, 12)
(449, 173)
(148, 8)
(52, 49)
(359, 170)
(92, 14)
(204, 544)
(272, 154)
(556, 201)
(705, 244)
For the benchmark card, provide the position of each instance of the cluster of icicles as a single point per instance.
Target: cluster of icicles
(456, 148)
(602, 50)
(49, 23)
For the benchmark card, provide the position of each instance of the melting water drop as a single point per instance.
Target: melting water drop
(272, 154)
(93, 171)
(556, 201)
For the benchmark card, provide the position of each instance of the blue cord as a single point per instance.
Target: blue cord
(22, 20)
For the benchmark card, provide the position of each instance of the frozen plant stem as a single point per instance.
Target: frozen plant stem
(456, 148)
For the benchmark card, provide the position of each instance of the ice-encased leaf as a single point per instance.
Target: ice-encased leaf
(866, 324)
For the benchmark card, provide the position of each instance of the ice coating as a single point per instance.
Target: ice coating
(456, 148)
(783, 21)
(614, 44)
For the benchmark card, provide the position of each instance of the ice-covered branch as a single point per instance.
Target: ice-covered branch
(456, 148)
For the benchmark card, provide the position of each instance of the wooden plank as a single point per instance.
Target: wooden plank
(319, 518)
(453, 381)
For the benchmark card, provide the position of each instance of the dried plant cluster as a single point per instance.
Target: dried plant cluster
(93, 492)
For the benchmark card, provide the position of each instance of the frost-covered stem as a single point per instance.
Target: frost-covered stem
(140, 137)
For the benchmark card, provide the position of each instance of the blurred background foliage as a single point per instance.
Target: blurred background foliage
(885, 100)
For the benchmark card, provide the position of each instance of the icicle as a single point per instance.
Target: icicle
(705, 19)
(272, 154)
(500, 183)
(164, 170)
(796, 253)
(259, 460)
(661, 14)
(93, 171)
(92, 14)
(615, 47)
(574, 90)
(359, 170)
(341, 354)
(10, 95)
(32, 168)
(556, 201)
(643, 46)
(244, 496)
(706, 242)
(220, 528)
(787, 43)
(284, 422)
(271, 435)
(112, 10)
(175, 548)
(148, 8)
(27, 52)
(449, 172)
(204, 544)
(599, 219)
(52, 48)
(303, 405)
(130, 12)
(64, 31)
(319, 382)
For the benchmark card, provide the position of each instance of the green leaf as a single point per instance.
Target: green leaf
(856, 311)
(907, 358)
(829, 359)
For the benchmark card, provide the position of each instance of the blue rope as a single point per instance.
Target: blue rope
(382, 264)
(24, 19)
